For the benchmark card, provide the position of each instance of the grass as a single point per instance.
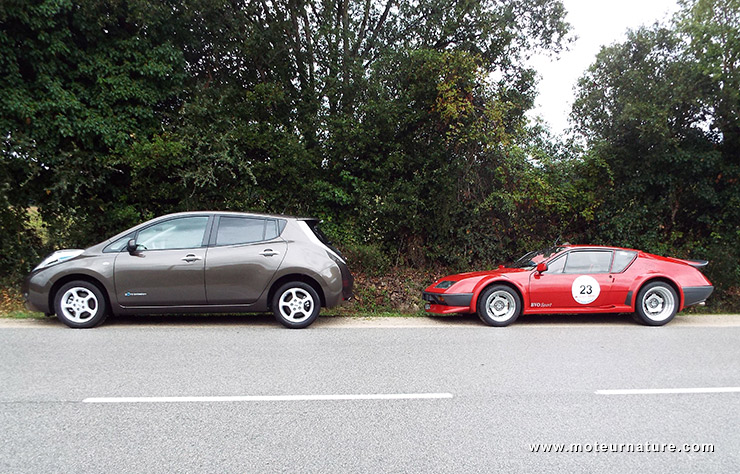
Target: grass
(21, 314)
(339, 312)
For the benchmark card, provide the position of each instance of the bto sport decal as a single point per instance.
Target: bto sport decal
(585, 289)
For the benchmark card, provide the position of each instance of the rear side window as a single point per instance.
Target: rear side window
(622, 259)
(271, 229)
(245, 230)
(588, 261)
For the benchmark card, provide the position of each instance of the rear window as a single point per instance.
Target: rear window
(314, 226)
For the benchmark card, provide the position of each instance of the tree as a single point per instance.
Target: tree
(79, 84)
(363, 112)
(660, 110)
(712, 28)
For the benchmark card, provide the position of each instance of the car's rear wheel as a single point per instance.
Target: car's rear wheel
(499, 306)
(296, 305)
(656, 304)
(80, 304)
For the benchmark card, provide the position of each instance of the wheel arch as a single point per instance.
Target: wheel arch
(654, 279)
(295, 277)
(482, 287)
(78, 277)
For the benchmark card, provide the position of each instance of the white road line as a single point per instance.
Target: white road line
(269, 398)
(661, 391)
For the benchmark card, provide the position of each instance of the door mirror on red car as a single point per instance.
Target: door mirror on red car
(541, 267)
(131, 246)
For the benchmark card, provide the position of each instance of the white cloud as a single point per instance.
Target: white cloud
(596, 23)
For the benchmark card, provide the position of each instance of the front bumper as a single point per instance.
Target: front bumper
(443, 303)
(34, 296)
(696, 294)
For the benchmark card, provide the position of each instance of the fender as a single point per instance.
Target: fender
(85, 273)
(639, 282)
(485, 282)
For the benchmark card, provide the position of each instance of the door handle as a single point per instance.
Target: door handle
(269, 253)
(190, 258)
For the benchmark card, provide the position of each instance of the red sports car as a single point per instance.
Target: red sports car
(575, 279)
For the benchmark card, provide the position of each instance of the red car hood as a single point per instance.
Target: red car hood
(498, 271)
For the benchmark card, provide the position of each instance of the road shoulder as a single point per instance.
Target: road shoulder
(369, 321)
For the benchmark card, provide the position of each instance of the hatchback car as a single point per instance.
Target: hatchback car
(575, 279)
(212, 262)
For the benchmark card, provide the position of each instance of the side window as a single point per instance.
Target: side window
(244, 230)
(588, 261)
(180, 233)
(557, 265)
(622, 259)
(118, 245)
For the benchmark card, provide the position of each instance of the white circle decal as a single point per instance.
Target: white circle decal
(585, 289)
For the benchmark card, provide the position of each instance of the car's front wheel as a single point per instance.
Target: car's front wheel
(656, 304)
(499, 306)
(296, 305)
(80, 304)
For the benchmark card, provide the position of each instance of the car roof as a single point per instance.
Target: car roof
(240, 213)
(595, 247)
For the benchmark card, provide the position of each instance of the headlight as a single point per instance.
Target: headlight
(443, 285)
(58, 257)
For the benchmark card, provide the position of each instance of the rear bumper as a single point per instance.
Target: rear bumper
(696, 294)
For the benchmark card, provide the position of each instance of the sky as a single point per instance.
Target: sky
(596, 23)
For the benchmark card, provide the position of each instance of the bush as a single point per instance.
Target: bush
(367, 258)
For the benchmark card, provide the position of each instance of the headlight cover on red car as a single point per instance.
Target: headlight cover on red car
(444, 284)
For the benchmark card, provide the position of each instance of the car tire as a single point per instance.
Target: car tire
(296, 305)
(80, 305)
(656, 304)
(499, 306)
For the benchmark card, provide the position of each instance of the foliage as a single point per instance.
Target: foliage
(661, 110)
(400, 124)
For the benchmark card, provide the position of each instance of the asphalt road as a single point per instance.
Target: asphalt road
(498, 391)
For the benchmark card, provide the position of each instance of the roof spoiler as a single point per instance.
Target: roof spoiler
(696, 263)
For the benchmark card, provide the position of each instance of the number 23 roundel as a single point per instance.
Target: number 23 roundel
(585, 289)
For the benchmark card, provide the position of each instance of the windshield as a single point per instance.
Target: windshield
(534, 257)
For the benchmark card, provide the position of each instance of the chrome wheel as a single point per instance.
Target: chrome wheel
(296, 305)
(79, 305)
(658, 303)
(500, 306)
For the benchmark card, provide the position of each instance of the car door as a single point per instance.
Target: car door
(167, 267)
(578, 280)
(244, 255)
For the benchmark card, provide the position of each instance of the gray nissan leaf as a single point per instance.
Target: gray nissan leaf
(209, 262)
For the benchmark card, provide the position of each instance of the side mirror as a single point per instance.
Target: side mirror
(131, 246)
(541, 267)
